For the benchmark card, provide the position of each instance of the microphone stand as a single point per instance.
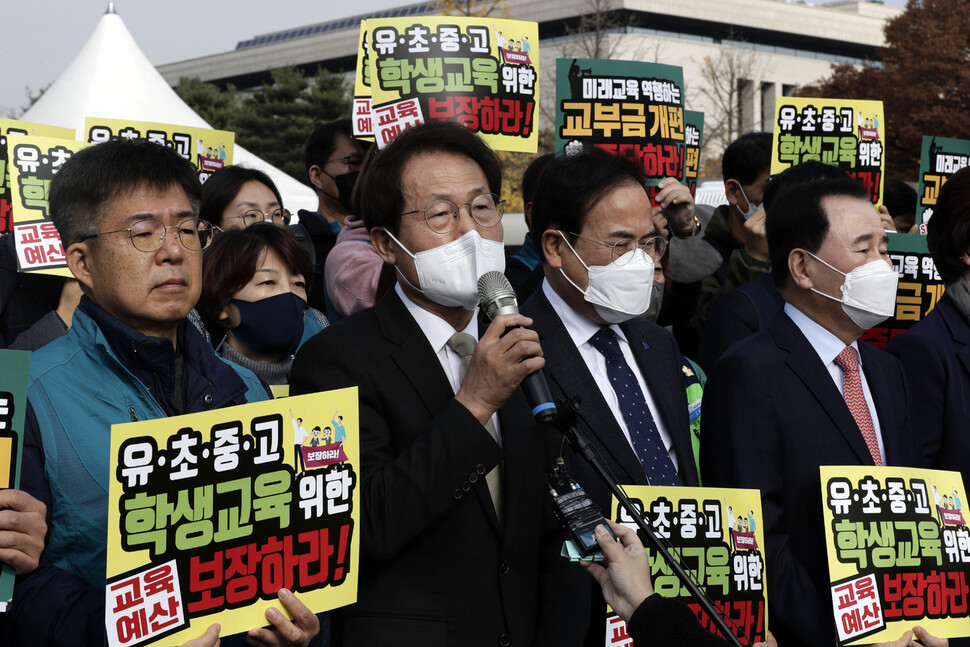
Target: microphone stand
(565, 423)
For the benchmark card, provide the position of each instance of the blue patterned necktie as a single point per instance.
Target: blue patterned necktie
(647, 444)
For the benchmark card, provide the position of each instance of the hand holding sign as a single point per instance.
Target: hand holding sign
(23, 527)
(285, 632)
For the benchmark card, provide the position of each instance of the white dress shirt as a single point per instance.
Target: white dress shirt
(828, 347)
(581, 330)
(438, 331)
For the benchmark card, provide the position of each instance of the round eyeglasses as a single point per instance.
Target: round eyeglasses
(654, 247)
(442, 215)
(149, 235)
(279, 217)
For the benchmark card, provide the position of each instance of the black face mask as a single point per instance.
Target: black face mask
(273, 325)
(345, 188)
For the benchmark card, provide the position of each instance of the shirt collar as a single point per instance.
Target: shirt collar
(579, 327)
(435, 329)
(827, 345)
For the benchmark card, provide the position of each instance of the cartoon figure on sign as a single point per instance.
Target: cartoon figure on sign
(315, 441)
(501, 45)
(751, 523)
(338, 426)
(327, 436)
(956, 500)
(868, 128)
(299, 437)
(732, 522)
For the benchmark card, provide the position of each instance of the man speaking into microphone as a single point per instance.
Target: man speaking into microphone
(458, 544)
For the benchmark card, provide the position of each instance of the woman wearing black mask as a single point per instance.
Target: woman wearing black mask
(253, 303)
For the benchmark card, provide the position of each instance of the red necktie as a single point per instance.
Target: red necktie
(848, 361)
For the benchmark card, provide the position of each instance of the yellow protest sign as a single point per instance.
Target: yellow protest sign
(848, 133)
(33, 161)
(207, 150)
(480, 72)
(216, 511)
(363, 123)
(898, 550)
(17, 127)
(719, 535)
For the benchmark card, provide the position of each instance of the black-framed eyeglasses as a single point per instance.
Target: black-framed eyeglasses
(279, 217)
(149, 235)
(352, 161)
(442, 215)
(654, 247)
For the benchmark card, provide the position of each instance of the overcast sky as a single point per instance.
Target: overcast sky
(41, 37)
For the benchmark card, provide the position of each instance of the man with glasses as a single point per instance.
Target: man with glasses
(458, 546)
(804, 392)
(127, 216)
(333, 159)
(593, 225)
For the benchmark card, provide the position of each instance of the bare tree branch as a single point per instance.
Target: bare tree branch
(726, 78)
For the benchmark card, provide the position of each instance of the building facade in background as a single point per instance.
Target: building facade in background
(738, 55)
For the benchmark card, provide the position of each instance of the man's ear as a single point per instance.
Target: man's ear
(798, 269)
(79, 261)
(383, 245)
(552, 244)
(314, 173)
(732, 189)
(527, 209)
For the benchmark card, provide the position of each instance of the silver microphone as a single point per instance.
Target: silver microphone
(497, 296)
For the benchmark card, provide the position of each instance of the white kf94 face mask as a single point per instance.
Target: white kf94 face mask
(448, 274)
(618, 292)
(868, 292)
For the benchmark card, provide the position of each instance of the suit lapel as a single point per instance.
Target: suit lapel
(413, 355)
(566, 369)
(661, 372)
(886, 407)
(804, 362)
(419, 364)
(517, 434)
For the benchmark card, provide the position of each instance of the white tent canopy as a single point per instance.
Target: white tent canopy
(111, 78)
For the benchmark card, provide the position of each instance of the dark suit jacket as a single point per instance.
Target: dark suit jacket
(436, 568)
(936, 355)
(568, 377)
(738, 314)
(772, 416)
(660, 364)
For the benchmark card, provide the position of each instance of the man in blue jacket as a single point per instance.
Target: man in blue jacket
(127, 215)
